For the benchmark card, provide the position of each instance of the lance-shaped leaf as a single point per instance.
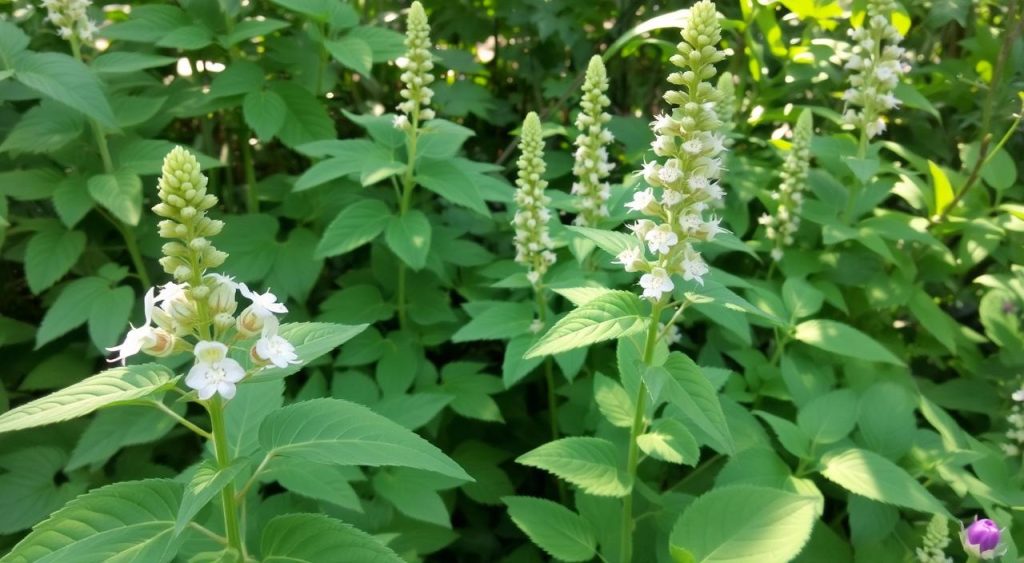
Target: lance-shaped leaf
(106, 388)
(871, 475)
(687, 388)
(592, 464)
(554, 528)
(615, 314)
(206, 483)
(342, 433)
(312, 538)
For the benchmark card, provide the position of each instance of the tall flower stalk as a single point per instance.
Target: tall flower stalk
(414, 111)
(782, 225)
(532, 240)
(196, 313)
(591, 166)
(682, 183)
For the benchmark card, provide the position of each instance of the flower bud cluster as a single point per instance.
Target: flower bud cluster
(200, 306)
(591, 166)
(70, 19)
(1014, 445)
(416, 66)
(183, 204)
(533, 242)
(878, 63)
(781, 227)
(934, 543)
(685, 185)
(727, 106)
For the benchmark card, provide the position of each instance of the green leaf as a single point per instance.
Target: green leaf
(264, 111)
(743, 524)
(319, 481)
(28, 486)
(50, 254)
(71, 200)
(12, 41)
(343, 433)
(187, 38)
(43, 129)
(110, 315)
(934, 320)
(886, 420)
(801, 298)
(830, 417)
(863, 168)
(128, 521)
(592, 464)
(104, 389)
(613, 401)
(247, 29)
(670, 441)
(352, 53)
(871, 475)
(123, 62)
(240, 78)
(408, 236)
(842, 339)
(311, 340)
(941, 187)
(448, 179)
(412, 494)
(912, 98)
(315, 538)
(688, 388)
(244, 414)
(67, 80)
(790, 435)
(348, 157)
(612, 242)
(113, 429)
(120, 193)
(356, 225)
(72, 307)
(614, 315)
(306, 120)
(497, 321)
(206, 483)
(560, 532)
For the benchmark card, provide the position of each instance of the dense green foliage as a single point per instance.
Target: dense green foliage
(516, 329)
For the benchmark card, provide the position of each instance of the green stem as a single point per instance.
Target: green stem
(227, 495)
(626, 539)
(549, 379)
(179, 419)
(252, 202)
(408, 186)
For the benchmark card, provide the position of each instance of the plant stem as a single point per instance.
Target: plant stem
(626, 539)
(227, 495)
(252, 202)
(549, 379)
(408, 185)
(127, 234)
(179, 419)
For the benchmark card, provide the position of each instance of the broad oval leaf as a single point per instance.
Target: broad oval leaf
(743, 524)
(355, 226)
(343, 433)
(613, 315)
(842, 339)
(560, 532)
(592, 464)
(119, 523)
(871, 475)
(408, 236)
(101, 390)
(313, 538)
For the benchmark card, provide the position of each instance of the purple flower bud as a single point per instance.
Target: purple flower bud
(981, 539)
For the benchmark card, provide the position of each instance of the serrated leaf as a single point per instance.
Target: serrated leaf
(72, 307)
(109, 316)
(264, 111)
(120, 193)
(941, 188)
(45, 128)
(50, 254)
(743, 524)
(410, 496)
(408, 236)
(314, 480)
(123, 62)
(315, 538)
(612, 242)
(670, 441)
(592, 464)
(129, 521)
(206, 483)
(871, 475)
(560, 532)
(830, 417)
(113, 429)
(67, 80)
(614, 315)
(448, 179)
(101, 390)
(343, 433)
(72, 201)
(356, 225)
(29, 489)
(842, 339)
(613, 401)
(688, 388)
(497, 321)
(306, 120)
(352, 53)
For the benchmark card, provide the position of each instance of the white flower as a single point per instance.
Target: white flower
(656, 283)
(138, 338)
(273, 348)
(536, 326)
(1018, 395)
(263, 305)
(694, 267)
(662, 123)
(629, 259)
(777, 254)
(661, 239)
(641, 200)
(400, 121)
(213, 371)
(693, 146)
(171, 292)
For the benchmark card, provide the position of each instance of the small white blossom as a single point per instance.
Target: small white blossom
(656, 283)
(275, 349)
(138, 338)
(641, 200)
(263, 305)
(631, 259)
(213, 371)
